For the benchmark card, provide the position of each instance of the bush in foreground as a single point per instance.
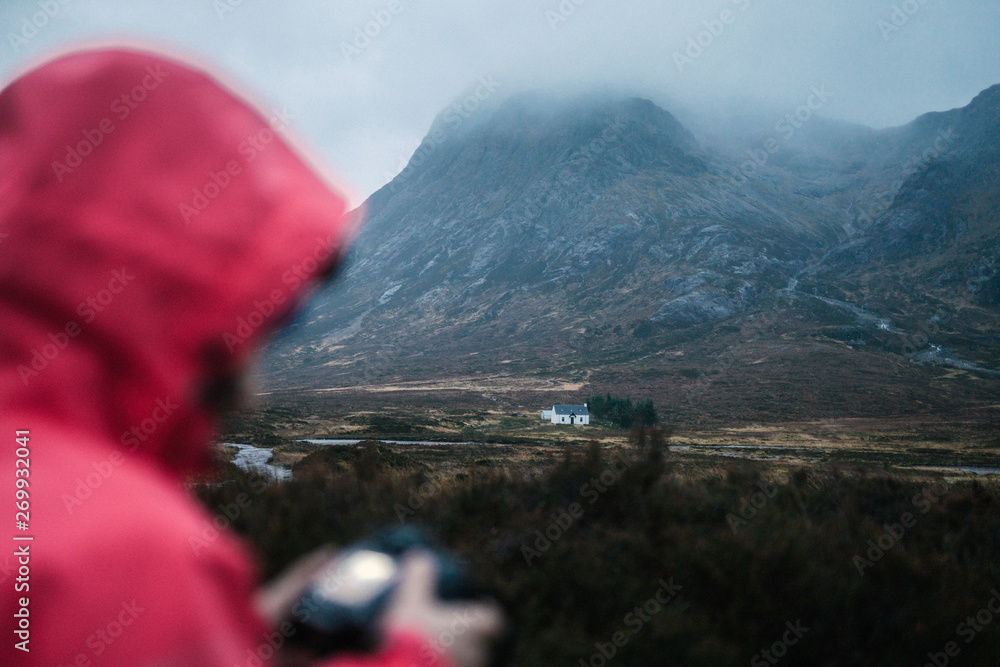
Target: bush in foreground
(616, 556)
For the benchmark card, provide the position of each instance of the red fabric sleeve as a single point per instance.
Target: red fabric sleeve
(403, 649)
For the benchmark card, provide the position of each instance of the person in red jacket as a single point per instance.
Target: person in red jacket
(154, 230)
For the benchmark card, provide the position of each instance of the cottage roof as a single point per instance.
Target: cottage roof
(578, 410)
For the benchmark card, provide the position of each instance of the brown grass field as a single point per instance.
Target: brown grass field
(854, 528)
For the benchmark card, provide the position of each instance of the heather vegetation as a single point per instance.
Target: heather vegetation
(653, 557)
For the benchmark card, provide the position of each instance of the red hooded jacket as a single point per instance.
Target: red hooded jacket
(154, 229)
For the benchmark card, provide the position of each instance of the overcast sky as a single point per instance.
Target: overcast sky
(365, 101)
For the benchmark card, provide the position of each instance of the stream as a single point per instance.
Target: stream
(256, 459)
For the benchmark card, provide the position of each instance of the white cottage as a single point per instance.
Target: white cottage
(577, 415)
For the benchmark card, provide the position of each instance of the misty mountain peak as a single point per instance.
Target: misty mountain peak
(532, 137)
(620, 119)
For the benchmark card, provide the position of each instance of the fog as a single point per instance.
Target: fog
(363, 80)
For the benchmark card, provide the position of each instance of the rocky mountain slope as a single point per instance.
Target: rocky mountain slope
(599, 240)
(928, 254)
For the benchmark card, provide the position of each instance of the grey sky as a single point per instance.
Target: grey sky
(366, 110)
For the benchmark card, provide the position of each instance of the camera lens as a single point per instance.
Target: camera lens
(357, 578)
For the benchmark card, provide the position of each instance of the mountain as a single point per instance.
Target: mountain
(596, 241)
(928, 255)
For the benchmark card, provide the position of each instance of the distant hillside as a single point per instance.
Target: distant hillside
(929, 255)
(597, 243)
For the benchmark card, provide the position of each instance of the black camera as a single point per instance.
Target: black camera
(342, 608)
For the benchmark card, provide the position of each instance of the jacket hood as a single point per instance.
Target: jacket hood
(154, 229)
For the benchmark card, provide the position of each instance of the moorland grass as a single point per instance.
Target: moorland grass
(578, 548)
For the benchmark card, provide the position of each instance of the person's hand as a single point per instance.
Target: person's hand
(463, 631)
(276, 599)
